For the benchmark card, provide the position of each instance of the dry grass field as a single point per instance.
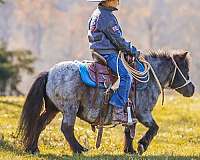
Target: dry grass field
(178, 137)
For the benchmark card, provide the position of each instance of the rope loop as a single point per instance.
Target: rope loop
(143, 76)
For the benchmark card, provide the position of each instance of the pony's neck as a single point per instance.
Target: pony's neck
(163, 68)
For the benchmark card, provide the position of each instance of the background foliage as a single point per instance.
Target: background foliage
(56, 30)
(12, 65)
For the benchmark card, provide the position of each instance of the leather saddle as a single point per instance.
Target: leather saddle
(99, 72)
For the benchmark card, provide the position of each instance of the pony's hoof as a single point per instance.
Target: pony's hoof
(140, 149)
(130, 151)
(33, 151)
(85, 149)
(80, 150)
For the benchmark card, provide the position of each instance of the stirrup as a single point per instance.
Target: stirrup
(134, 120)
(131, 120)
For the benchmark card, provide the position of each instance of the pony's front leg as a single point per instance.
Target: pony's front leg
(128, 144)
(144, 142)
(67, 128)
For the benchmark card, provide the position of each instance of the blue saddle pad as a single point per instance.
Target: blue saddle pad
(85, 76)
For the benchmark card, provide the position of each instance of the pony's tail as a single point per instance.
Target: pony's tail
(32, 109)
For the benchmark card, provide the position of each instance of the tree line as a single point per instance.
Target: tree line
(12, 65)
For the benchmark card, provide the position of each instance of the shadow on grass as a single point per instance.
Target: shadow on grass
(11, 103)
(7, 147)
(135, 157)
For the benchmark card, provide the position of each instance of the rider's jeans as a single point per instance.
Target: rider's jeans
(120, 96)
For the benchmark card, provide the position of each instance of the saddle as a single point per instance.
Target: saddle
(100, 73)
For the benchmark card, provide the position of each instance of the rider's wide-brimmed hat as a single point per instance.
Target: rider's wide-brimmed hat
(96, 0)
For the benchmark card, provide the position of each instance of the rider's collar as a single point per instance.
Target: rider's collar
(100, 6)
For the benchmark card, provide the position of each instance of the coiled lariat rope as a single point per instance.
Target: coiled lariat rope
(138, 75)
(143, 76)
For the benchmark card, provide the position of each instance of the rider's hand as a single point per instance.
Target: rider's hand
(134, 52)
(138, 54)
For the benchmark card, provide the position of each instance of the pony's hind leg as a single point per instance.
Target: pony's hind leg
(67, 127)
(148, 121)
(45, 118)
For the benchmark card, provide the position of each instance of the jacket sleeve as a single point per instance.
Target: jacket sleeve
(114, 33)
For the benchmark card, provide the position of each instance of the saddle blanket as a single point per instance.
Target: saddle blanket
(92, 72)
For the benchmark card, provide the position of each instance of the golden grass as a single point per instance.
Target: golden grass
(178, 136)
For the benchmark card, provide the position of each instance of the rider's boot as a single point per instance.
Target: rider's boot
(119, 115)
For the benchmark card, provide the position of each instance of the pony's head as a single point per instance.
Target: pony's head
(181, 79)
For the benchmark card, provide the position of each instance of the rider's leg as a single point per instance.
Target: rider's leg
(120, 96)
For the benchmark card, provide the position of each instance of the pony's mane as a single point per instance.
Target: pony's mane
(159, 54)
(167, 54)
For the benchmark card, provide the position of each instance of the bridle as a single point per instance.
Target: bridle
(187, 81)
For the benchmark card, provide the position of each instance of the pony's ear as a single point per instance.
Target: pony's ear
(181, 56)
(184, 55)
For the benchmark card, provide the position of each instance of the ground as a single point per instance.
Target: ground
(178, 137)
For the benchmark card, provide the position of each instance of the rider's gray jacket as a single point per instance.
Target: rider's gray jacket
(105, 34)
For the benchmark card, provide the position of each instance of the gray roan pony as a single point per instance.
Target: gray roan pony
(63, 91)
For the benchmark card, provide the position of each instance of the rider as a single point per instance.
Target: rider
(105, 37)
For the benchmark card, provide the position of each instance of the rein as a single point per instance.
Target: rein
(175, 70)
